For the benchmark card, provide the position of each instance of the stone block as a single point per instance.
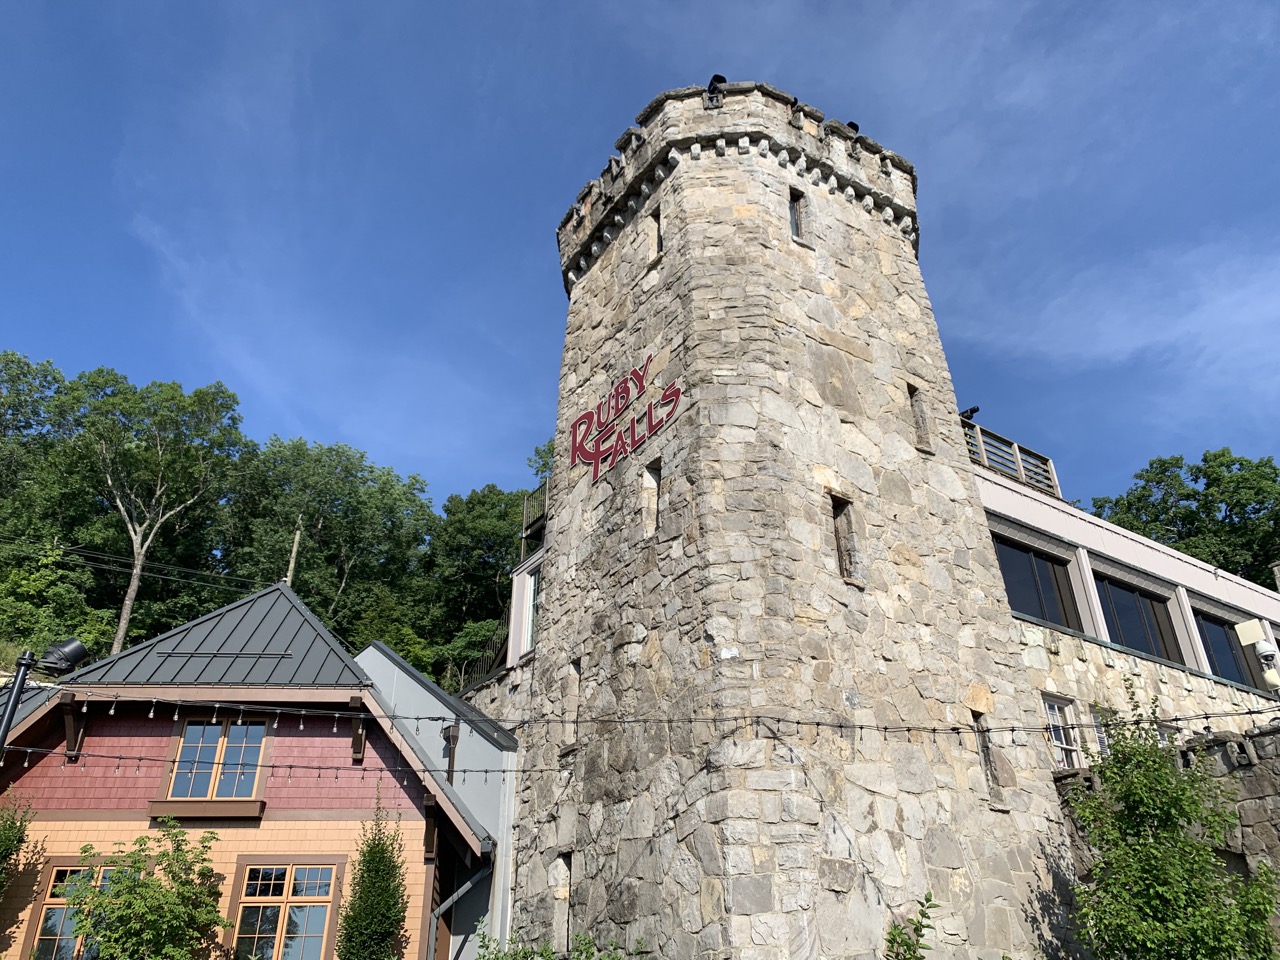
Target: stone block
(749, 895)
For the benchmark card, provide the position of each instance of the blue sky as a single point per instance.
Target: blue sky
(346, 211)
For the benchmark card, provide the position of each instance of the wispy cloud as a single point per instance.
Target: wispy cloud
(1204, 315)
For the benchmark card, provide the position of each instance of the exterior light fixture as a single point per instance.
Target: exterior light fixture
(59, 659)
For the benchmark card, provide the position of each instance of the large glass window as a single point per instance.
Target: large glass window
(1038, 585)
(1226, 656)
(55, 937)
(284, 912)
(1138, 620)
(218, 760)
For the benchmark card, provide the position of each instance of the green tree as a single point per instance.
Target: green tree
(473, 549)
(44, 603)
(156, 900)
(1224, 510)
(14, 818)
(372, 922)
(1157, 889)
(361, 529)
(151, 454)
(26, 390)
(540, 462)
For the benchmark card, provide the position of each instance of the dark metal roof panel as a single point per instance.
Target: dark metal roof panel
(267, 639)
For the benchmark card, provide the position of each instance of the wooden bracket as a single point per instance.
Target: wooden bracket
(73, 723)
(429, 838)
(357, 731)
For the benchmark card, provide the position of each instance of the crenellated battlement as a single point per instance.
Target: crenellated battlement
(746, 121)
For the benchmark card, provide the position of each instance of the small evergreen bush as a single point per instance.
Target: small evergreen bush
(372, 923)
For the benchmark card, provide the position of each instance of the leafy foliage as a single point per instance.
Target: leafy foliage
(158, 899)
(43, 604)
(1224, 510)
(540, 462)
(14, 818)
(1158, 890)
(906, 941)
(362, 529)
(372, 923)
(581, 947)
(127, 510)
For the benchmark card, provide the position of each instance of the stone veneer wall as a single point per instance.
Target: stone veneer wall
(692, 772)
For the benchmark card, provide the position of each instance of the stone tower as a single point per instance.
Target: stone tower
(773, 630)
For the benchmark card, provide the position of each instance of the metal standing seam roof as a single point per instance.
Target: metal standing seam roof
(268, 639)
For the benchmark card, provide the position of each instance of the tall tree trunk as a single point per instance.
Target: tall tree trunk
(126, 608)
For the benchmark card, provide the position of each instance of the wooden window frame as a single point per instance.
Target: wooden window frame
(214, 808)
(920, 422)
(846, 532)
(239, 900)
(44, 900)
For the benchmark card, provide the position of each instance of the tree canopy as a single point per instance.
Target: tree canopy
(1224, 510)
(126, 510)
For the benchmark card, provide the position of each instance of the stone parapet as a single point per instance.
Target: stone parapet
(743, 122)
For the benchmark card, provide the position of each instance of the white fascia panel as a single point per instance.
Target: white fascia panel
(1059, 519)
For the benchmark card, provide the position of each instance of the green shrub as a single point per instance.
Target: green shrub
(157, 900)
(14, 817)
(372, 923)
(1157, 889)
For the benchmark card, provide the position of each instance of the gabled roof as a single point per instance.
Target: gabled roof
(267, 639)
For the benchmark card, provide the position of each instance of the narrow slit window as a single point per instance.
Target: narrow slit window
(796, 207)
(572, 692)
(655, 231)
(846, 542)
(919, 418)
(982, 730)
(650, 487)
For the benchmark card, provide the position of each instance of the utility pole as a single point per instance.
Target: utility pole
(293, 553)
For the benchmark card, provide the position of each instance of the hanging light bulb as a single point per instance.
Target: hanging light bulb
(151, 715)
(112, 711)
(335, 723)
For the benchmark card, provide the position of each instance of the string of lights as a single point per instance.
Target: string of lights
(289, 771)
(274, 713)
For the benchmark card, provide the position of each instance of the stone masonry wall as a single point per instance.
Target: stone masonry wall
(738, 744)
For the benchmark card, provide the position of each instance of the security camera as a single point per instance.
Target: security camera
(1252, 633)
(1267, 652)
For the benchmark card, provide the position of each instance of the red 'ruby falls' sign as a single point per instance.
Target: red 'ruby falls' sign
(603, 438)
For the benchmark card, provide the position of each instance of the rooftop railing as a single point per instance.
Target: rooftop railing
(1004, 456)
(534, 520)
